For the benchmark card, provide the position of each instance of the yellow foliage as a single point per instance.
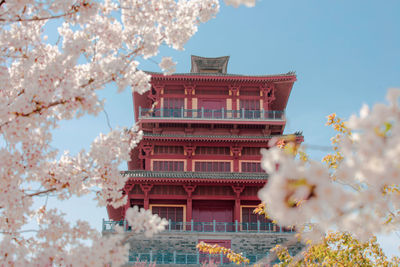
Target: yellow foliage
(216, 249)
(332, 160)
(338, 249)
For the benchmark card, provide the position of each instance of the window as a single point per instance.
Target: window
(249, 220)
(212, 166)
(251, 167)
(173, 107)
(253, 151)
(205, 150)
(251, 108)
(173, 166)
(168, 150)
(175, 214)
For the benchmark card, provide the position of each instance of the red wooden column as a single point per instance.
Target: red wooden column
(234, 92)
(236, 151)
(146, 189)
(268, 91)
(157, 96)
(189, 149)
(238, 189)
(128, 188)
(147, 148)
(189, 190)
(189, 95)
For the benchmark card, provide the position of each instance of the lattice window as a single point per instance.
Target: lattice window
(251, 167)
(206, 150)
(173, 102)
(212, 166)
(250, 104)
(168, 190)
(173, 107)
(248, 216)
(251, 107)
(249, 220)
(213, 191)
(168, 166)
(175, 214)
(168, 150)
(251, 151)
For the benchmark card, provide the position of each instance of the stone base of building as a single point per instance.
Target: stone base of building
(177, 249)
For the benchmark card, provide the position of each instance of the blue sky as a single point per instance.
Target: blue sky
(345, 53)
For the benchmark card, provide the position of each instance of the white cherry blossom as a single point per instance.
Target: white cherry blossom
(361, 196)
(142, 220)
(167, 65)
(45, 79)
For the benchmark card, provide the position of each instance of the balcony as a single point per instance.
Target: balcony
(209, 227)
(209, 115)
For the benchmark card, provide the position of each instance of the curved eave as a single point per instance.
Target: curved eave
(233, 78)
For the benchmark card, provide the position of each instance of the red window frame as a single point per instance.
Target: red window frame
(168, 150)
(212, 166)
(173, 103)
(175, 214)
(173, 107)
(251, 167)
(171, 166)
(251, 107)
(249, 220)
(250, 104)
(254, 151)
(205, 150)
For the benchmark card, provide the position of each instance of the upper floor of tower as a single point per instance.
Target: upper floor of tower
(209, 97)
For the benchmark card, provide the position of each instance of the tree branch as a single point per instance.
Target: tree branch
(42, 192)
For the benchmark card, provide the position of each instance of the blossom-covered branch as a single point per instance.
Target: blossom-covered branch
(43, 82)
(356, 192)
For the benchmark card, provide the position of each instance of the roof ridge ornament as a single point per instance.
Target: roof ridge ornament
(209, 64)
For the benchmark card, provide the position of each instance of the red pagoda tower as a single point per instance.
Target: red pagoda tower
(198, 164)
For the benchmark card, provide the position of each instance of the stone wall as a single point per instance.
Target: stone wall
(185, 242)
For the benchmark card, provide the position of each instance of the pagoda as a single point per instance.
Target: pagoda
(198, 164)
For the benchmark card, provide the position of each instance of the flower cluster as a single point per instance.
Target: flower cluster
(358, 193)
(141, 220)
(216, 249)
(167, 65)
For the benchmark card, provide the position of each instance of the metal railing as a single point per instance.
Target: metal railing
(210, 114)
(209, 227)
(187, 258)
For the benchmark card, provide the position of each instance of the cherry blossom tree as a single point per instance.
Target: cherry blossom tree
(42, 83)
